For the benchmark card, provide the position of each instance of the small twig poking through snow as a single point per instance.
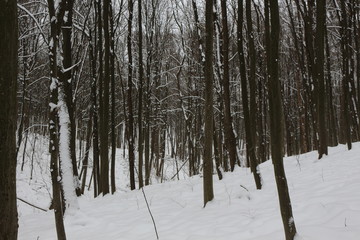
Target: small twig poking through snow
(244, 188)
(177, 173)
(345, 223)
(152, 218)
(298, 161)
(147, 205)
(32, 205)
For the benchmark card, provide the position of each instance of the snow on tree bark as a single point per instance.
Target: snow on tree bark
(68, 180)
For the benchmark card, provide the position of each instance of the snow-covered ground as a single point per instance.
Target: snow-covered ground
(325, 196)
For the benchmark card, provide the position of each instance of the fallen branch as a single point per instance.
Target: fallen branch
(152, 218)
(244, 188)
(22, 200)
(179, 169)
(147, 204)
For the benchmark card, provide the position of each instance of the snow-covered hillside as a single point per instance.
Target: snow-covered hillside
(325, 196)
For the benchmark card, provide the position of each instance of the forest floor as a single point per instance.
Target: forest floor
(325, 197)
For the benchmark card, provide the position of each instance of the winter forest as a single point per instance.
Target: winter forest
(180, 119)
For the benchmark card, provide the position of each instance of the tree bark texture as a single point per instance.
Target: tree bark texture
(130, 122)
(276, 117)
(8, 117)
(229, 132)
(207, 157)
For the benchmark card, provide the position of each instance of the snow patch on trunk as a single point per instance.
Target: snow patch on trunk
(66, 168)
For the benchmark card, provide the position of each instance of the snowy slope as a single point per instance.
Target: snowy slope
(325, 197)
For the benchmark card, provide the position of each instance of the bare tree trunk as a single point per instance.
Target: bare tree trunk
(85, 161)
(113, 103)
(207, 158)
(99, 114)
(147, 94)
(276, 116)
(229, 132)
(216, 152)
(8, 117)
(332, 120)
(319, 63)
(140, 99)
(104, 124)
(345, 96)
(252, 111)
(94, 119)
(66, 80)
(130, 125)
(54, 124)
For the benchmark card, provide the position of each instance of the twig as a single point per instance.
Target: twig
(179, 169)
(147, 204)
(244, 188)
(152, 218)
(42, 209)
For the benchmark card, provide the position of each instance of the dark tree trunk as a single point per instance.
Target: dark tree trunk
(230, 140)
(208, 162)
(57, 202)
(8, 113)
(276, 116)
(141, 77)
(250, 144)
(252, 111)
(300, 74)
(104, 124)
(94, 119)
(85, 161)
(319, 64)
(332, 120)
(147, 93)
(99, 114)
(345, 123)
(130, 123)
(66, 79)
(112, 75)
(216, 152)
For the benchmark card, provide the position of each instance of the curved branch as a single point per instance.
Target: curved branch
(36, 22)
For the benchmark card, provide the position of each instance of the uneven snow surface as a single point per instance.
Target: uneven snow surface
(325, 197)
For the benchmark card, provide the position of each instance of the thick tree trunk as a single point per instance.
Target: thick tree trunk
(319, 64)
(207, 158)
(332, 119)
(66, 79)
(104, 124)
(57, 202)
(250, 144)
(276, 116)
(230, 140)
(68, 180)
(253, 109)
(8, 113)
(345, 122)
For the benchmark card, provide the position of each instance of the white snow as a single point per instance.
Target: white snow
(65, 164)
(325, 197)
